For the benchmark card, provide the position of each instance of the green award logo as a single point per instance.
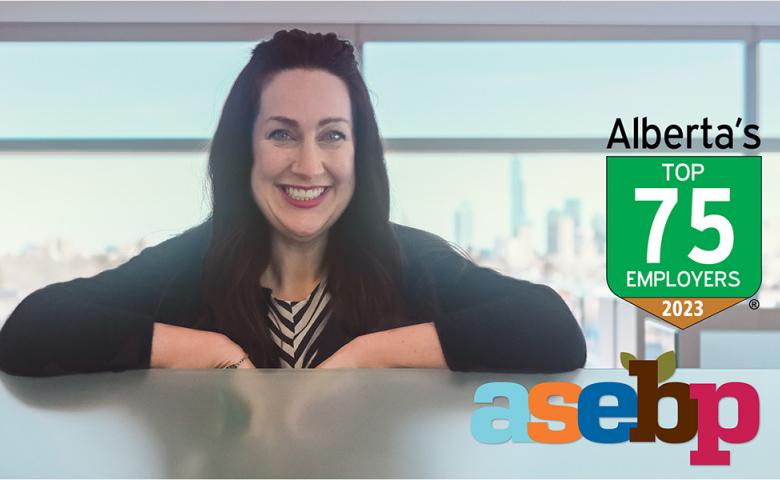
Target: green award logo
(684, 233)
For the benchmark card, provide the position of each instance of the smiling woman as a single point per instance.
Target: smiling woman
(298, 264)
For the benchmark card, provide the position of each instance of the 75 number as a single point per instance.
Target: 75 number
(699, 221)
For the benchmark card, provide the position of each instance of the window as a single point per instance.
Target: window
(769, 96)
(115, 89)
(498, 195)
(97, 201)
(549, 89)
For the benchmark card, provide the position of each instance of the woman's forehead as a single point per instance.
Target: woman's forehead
(305, 96)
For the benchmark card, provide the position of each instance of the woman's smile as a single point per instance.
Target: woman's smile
(302, 196)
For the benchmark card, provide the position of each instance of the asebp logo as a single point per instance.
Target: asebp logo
(697, 412)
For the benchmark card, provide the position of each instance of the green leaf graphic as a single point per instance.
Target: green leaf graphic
(667, 364)
(626, 357)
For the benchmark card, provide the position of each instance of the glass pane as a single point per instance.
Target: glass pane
(739, 349)
(549, 89)
(769, 96)
(659, 338)
(769, 295)
(70, 215)
(116, 89)
(94, 201)
(484, 187)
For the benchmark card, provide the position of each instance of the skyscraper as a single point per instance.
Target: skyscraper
(517, 190)
(553, 219)
(464, 226)
(572, 207)
(599, 226)
(561, 239)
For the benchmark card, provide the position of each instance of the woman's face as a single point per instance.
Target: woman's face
(303, 174)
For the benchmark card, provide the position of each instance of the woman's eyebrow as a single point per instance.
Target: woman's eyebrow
(285, 120)
(293, 123)
(328, 120)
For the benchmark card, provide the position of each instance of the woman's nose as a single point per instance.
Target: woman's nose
(308, 162)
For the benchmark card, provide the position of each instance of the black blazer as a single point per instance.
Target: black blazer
(487, 321)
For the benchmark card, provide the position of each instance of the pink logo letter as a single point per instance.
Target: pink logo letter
(710, 430)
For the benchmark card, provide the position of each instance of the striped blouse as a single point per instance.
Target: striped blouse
(296, 326)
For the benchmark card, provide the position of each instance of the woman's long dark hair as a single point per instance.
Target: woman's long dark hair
(362, 256)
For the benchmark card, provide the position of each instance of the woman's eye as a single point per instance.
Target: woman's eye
(280, 135)
(334, 136)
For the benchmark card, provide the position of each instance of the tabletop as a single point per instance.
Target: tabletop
(329, 423)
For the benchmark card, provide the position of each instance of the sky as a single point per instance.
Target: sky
(534, 89)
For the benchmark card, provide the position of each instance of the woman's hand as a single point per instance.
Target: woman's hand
(350, 355)
(415, 346)
(180, 347)
(227, 353)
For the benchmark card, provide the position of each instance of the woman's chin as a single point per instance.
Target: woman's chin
(305, 233)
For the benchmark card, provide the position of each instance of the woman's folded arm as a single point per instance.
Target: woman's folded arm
(100, 323)
(530, 330)
(60, 329)
(492, 322)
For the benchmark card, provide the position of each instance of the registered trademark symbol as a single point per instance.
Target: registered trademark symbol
(754, 304)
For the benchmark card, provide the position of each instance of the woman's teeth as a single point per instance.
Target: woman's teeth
(304, 194)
